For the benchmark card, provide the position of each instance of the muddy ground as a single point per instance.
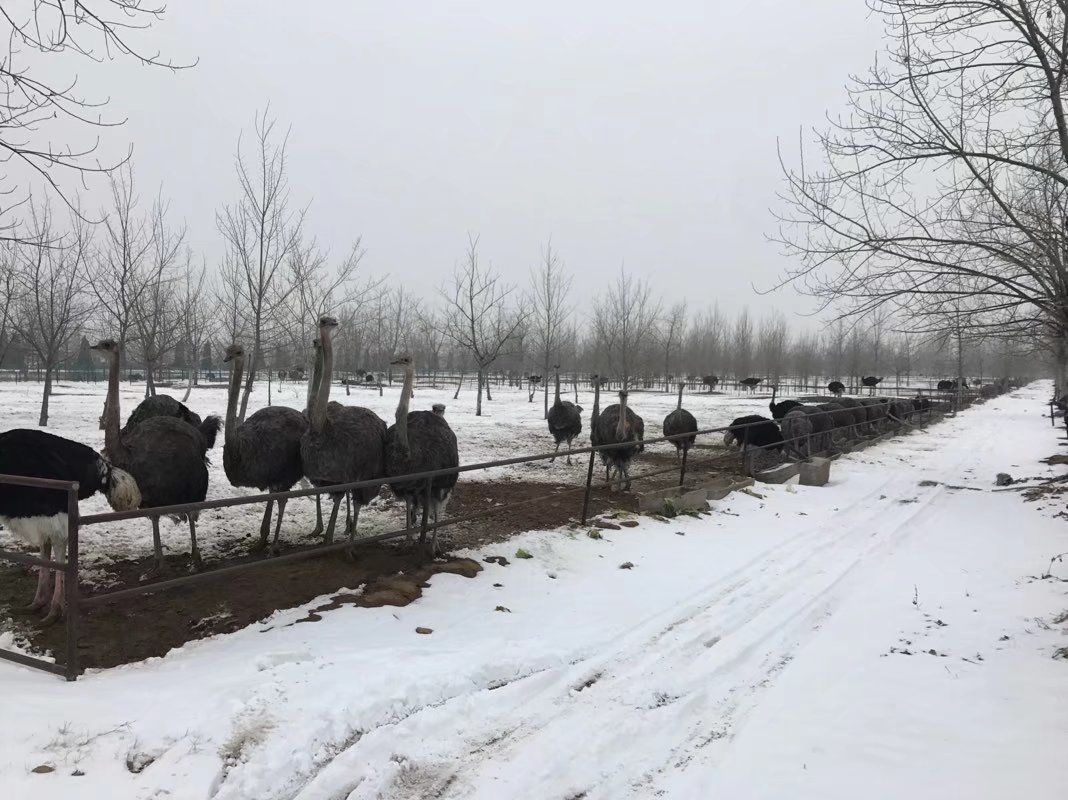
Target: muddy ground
(391, 573)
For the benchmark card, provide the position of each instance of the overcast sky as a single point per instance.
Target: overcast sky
(633, 133)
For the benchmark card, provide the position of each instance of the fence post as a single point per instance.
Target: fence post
(589, 484)
(71, 584)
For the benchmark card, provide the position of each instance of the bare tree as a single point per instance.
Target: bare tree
(261, 233)
(772, 345)
(196, 311)
(52, 304)
(624, 322)
(480, 318)
(742, 345)
(670, 334)
(948, 177)
(432, 335)
(155, 318)
(8, 295)
(39, 107)
(706, 342)
(550, 285)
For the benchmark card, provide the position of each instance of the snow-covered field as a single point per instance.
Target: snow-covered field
(510, 426)
(880, 637)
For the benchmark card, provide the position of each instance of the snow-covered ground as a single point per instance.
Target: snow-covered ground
(510, 426)
(885, 636)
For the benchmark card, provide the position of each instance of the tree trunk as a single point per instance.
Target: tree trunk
(489, 396)
(189, 384)
(150, 385)
(459, 383)
(43, 420)
(478, 401)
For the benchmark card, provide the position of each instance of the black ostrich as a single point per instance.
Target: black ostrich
(263, 452)
(618, 424)
(165, 455)
(877, 411)
(797, 431)
(857, 411)
(710, 381)
(751, 383)
(681, 421)
(420, 441)
(780, 410)
(565, 420)
(161, 405)
(343, 444)
(837, 388)
(39, 516)
(871, 382)
(753, 430)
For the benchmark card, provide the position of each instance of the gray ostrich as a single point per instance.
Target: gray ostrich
(681, 421)
(263, 452)
(565, 420)
(420, 441)
(165, 455)
(161, 405)
(343, 444)
(618, 424)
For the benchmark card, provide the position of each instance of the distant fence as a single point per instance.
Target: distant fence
(742, 460)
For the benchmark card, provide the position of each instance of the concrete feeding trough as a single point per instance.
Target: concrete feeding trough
(719, 488)
(656, 501)
(779, 474)
(816, 472)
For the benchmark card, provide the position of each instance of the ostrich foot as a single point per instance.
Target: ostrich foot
(54, 613)
(197, 561)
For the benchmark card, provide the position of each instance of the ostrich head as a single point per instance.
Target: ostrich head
(327, 324)
(107, 346)
(401, 360)
(120, 488)
(439, 409)
(232, 352)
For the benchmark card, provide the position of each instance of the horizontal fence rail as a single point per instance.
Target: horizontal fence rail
(744, 455)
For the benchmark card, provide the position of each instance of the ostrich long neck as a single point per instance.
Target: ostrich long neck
(621, 426)
(402, 406)
(112, 441)
(322, 393)
(681, 387)
(596, 400)
(315, 377)
(558, 387)
(231, 400)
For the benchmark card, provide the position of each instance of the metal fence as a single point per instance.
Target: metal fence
(741, 459)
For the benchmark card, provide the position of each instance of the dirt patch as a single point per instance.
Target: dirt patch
(388, 573)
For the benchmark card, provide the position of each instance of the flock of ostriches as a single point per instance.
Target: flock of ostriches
(159, 459)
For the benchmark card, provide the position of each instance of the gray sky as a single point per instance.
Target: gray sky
(631, 132)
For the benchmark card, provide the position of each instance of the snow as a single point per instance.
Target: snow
(510, 426)
(759, 654)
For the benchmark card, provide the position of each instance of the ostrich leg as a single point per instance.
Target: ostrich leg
(569, 451)
(55, 610)
(278, 525)
(44, 578)
(265, 526)
(318, 515)
(157, 548)
(350, 523)
(626, 475)
(333, 520)
(409, 519)
(194, 550)
(555, 452)
(352, 530)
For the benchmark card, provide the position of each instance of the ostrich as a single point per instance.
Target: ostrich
(617, 424)
(837, 388)
(779, 410)
(797, 430)
(263, 452)
(343, 444)
(871, 382)
(439, 409)
(420, 441)
(160, 405)
(877, 412)
(681, 421)
(39, 516)
(166, 456)
(751, 383)
(710, 381)
(565, 420)
(753, 430)
(857, 411)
